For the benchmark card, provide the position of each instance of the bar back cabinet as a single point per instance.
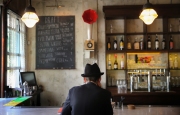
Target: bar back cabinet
(123, 23)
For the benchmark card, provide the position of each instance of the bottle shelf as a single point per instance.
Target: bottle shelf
(137, 33)
(174, 50)
(140, 51)
(116, 51)
(173, 33)
(174, 69)
(154, 33)
(136, 36)
(115, 69)
(142, 33)
(114, 34)
(145, 69)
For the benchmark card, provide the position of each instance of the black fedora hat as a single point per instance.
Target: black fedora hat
(92, 71)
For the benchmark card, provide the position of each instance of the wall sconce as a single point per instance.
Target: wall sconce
(148, 15)
(30, 17)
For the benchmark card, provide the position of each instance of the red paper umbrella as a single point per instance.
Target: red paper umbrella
(90, 16)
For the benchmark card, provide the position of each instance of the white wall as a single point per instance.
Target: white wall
(56, 83)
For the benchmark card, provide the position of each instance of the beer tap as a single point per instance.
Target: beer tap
(168, 81)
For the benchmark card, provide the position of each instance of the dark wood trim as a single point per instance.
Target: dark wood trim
(2, 42)
(1, 78)
(18, 7)
(7, 2)
(133, 11)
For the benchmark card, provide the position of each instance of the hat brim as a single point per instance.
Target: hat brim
(92, 75)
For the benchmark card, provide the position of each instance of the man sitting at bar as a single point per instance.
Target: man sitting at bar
(90, 98)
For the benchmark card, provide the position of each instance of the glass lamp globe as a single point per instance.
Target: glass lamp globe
(148, 16)
(30, 19)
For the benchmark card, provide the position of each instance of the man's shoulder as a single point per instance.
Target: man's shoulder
(86, 85)
(76, 87)
(106, 91)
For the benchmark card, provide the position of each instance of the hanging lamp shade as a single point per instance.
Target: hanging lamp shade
(148, 15)
(30, 17)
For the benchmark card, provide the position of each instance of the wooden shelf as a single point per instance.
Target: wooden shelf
(133, 11)
(137, 33)
(115, 69)
(114, 34)
(173, 33)
(174, 69)
(133, 29)
(154, 33)
(139, 51)
(116, 51)
(174, 51)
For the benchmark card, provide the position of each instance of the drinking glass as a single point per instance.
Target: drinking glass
(173, 82)
(162, 84)
(177, 81)
(30, 90)
(124, 86)
(120, 86)
(165, 85)
(117, 82)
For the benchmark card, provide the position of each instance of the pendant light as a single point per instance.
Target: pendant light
(30, 17)
(148, 14)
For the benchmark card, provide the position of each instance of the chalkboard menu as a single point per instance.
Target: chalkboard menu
(55, 42)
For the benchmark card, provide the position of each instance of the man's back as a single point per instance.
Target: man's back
(88, 99)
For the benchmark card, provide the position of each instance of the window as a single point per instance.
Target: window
(15, 49)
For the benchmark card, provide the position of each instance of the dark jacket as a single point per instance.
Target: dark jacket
(88, 99)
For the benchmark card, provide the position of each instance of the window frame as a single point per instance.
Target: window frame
(16, 57)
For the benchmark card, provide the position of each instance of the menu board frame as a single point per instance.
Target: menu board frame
(55, 42)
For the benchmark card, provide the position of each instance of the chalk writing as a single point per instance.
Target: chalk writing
(55, 42)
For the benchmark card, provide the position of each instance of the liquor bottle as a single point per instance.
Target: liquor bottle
(163, 44)
(136, 58)
(157, 43)
(115, 62)
(136, 44)
(175, 62)
(129, 44)
(141, 44)
(122, 62)
(149, 43)
(171, 43)
(109, 44)
(121, 44)
(115, 43)
(109, 63)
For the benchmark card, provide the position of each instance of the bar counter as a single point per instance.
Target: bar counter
(50, 110)
(146, 98)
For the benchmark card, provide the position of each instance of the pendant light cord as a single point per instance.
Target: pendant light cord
(30, 2)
